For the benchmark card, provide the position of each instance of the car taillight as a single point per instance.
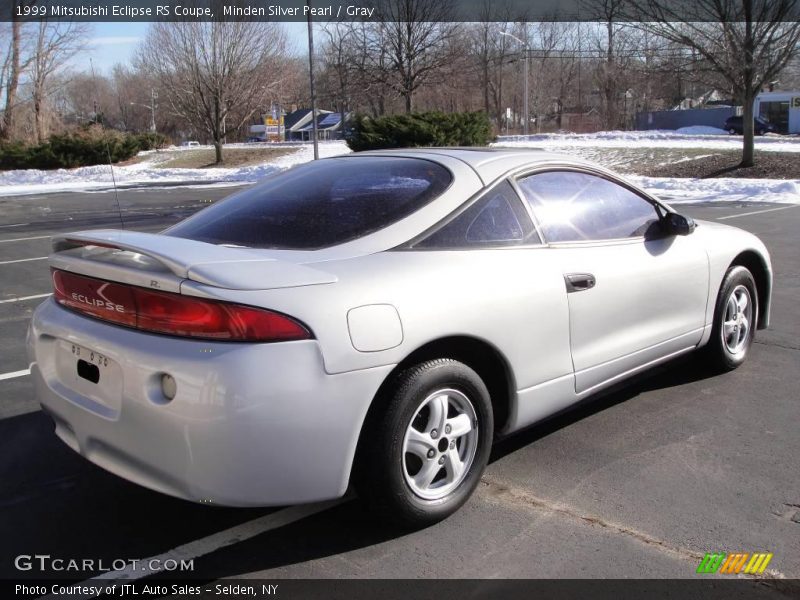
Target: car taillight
(173, 314)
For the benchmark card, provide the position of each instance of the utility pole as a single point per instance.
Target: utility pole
(311, 80)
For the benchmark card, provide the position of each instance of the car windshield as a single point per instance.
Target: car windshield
(320, 204)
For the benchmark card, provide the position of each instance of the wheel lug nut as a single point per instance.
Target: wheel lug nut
(431, 453)
(441, 460)
(447, 429)
(452, 445)
(434, 434)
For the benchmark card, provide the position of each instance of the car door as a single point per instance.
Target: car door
(635, 295)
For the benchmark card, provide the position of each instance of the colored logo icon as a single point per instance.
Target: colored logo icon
(735, 563)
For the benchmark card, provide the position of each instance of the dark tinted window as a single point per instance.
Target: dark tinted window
(320, 204)
(496, 219)
(576, 206)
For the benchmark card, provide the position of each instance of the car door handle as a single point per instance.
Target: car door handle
(578, 282)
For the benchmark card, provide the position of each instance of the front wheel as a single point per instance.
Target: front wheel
(422, 455)
(735, 320)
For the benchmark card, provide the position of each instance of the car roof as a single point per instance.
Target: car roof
(488, 162)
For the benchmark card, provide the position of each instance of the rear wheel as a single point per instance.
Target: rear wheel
(732, 131)
(421, 458)
(735, 319)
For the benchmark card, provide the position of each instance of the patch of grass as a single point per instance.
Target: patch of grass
(203, 158)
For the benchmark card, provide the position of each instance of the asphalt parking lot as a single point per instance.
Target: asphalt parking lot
(640, 482)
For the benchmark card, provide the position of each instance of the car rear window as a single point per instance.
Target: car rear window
(320, 204)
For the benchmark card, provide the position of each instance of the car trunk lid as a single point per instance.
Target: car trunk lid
(164, 262)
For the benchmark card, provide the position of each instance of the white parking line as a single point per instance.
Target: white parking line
(25, 239)
(239, 533)
(757, 212)
(23, 298)
(15, 374)
(19, 260)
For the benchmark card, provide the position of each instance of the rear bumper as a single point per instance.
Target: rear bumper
(251, 424)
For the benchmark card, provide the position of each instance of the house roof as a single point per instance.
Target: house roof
(328, 121)
(301, 119)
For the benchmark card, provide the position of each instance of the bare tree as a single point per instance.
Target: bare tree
(54, 43)
(613, 42)
(215, 74)
(490, 49)
(13, 66)
(413, 35)
(745, 42)
(337, 65)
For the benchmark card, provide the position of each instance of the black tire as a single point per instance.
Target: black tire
(718, 352)
(732, 131)
(381, 468)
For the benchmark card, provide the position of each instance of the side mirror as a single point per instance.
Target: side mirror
(677, 224)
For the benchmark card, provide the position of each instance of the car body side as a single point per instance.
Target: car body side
(306, 401)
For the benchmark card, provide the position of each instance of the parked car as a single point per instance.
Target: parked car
(734, 126)
(190, 144)
(379, 318)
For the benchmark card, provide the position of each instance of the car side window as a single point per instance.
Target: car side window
(497, 219)
(573, 207)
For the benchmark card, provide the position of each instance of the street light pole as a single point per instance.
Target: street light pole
(311, 76)
(527, 71)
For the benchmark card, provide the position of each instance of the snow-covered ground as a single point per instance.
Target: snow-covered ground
(146, 172)
(687, 137)
(673, 190)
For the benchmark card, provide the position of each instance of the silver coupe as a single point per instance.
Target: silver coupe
(377, 319)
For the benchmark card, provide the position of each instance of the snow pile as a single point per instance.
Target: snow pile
(700, 130)
(676, 190)
(99, 177)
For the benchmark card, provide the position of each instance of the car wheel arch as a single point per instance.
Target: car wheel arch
(754, 262)
(478, 354)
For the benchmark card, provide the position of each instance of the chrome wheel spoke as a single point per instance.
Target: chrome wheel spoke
(728, 328)
(453, 466)
(438, 416)
(459, 426)
(425, 475)
(418, 443)
(741, 301)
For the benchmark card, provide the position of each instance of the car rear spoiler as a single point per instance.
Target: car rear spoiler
(163, 261)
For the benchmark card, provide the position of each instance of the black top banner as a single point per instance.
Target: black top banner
(400, 10)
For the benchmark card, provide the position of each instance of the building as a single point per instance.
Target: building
(294, 123)
(330, 126)
(782, 109)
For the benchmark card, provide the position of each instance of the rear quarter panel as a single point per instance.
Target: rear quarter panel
(514, 299)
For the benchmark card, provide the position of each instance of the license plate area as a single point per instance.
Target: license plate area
(89, 377)
(90, 362)
(88, 371)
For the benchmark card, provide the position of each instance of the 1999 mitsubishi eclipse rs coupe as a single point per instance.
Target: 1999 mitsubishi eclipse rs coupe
(377, 318)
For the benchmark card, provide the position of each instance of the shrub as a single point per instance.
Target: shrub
(151, 141)
(90, 146)
(419, 129)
